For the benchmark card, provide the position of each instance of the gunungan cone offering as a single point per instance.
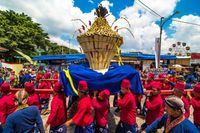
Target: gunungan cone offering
(100, 42)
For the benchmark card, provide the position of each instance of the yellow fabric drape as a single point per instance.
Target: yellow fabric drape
(70, 81)
(119, 57)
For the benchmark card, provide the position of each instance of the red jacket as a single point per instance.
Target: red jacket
(33, 99)
(101, 111)
(38, 76)
(172, 79)
(166, 86)
(44, 85)
(83, 116)
(195, 102)
(7, 106)
(128, 109)
(155, 109)
(147, 86)
(186, 107)
(56, 76)
(58, 114)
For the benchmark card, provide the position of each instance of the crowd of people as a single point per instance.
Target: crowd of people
(21, 112)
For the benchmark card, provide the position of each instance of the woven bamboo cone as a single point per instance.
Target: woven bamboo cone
(98, 43)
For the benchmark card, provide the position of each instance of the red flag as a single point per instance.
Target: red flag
(83, 27)
(90, 23)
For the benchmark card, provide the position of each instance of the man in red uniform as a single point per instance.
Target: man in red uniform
(154, 104)
(83, 118)
(179, 92)
(58, 114)
(101, 105)
(166, 86)
(127, 105)
(33, 98)
(147, 83)
(7, 104)
(39, 76)
(44, 98)
(195, 102)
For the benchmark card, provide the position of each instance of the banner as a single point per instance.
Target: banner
(157, 52)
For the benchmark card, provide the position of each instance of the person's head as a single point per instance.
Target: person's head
(58, 88)
(29, 87)
(165, 80)
(179, 89)
(21, 97)
(5, 88)
(174, 106)
(46, 76)
(125, 86)
(82, 88)
(196, 90)
(150, 76)
(155, 88)
(104, 94)
(13, 72)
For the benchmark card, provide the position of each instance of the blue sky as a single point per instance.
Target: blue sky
(56, 17)
(118, 5)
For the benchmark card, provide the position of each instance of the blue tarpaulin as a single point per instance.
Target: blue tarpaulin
(98, 81)
(148, 56)
(68, 57)
(78, 57)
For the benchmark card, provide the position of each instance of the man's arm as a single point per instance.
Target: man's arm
(156, 124)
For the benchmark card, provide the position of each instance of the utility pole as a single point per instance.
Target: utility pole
(162, 22)
(69, 46)
(62, 49)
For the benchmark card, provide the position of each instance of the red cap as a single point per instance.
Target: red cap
(126, 84)
(104, 94)
(150, 75)
(5, 87)
(197, 88)
(180, 86)
(46, 75)
(82, 86)
(29, 87)
(58, 87)
(156, 85)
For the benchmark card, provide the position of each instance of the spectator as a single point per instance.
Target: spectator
(24, 119)
(174, 120)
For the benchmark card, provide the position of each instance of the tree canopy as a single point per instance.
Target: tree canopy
(19, 32)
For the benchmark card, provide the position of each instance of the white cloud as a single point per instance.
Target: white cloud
(143, 24)
(55, 18)
(91, 1)
(186, 32)
(67, 43)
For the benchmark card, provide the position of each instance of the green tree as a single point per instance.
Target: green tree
(19, 32)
